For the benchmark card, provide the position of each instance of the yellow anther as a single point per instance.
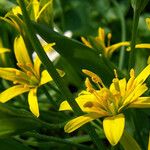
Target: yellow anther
(105, 95)
(115, 73)
(89, 86)
(86, 42)
(25, 86)
(29, 73)
(95, 78)
(20, 64)
(88, 104)
(15, 82)
(132, 73)
(18, 73)
(101, 34)
(109, 36)
(29, 64)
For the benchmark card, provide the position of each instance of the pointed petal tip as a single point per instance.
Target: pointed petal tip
(113, 128)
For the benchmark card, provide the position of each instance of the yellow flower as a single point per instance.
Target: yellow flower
(109, 49)
(27, 79)
(34, 8)
(109, 102)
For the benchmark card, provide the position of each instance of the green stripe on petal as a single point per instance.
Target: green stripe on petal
(113, 128)
(33, 102)
(141, 102)
(12, 92)
(80, 121)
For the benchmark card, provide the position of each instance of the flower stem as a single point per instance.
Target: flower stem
(136, 15)
(123, 33)
(54, 74)
(50, 99)
(49, 140)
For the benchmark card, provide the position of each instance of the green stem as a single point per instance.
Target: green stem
(123, 34)
(54, 74)
(80, 139)
(136, 16)
(50, 99)
(50, 139)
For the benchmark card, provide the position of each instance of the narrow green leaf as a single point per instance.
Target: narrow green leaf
(11, 144)
(77, 54)
(14, 121)
(128, 142)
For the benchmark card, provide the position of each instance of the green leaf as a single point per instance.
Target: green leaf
(78, 55)
(11, 144)
(14, 121)
(46, 12)
(128, 142)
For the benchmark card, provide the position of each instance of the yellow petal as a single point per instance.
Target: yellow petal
(114, 47)
(143, 75)
(81, 100)
(48, 47)
(143, 45)
(45, 77)
(14, 75)
(33, 102)
(80, 121)
(135, 94)
(43, 8)
(141, 102)
(113, 128)
(20, 50)
(37, 64)
(3, 50)
(16, 10)
(35, 5)
(12, 92)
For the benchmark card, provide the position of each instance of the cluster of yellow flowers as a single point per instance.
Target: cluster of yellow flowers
(108, 103)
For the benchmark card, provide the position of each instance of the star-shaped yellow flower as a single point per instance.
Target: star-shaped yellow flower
(26, 79)
(109, 102)
(107, 49)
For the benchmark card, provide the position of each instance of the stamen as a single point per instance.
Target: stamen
(132, 73)
(101, 34)
(95, 78)
(20, 64)
(18, 73)
(29, 64)
(89, 85)
(109, 36)
(15, 82)
(88, 104)
(115, 73)
(116, 81)
(29, 73)
(25, 86)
